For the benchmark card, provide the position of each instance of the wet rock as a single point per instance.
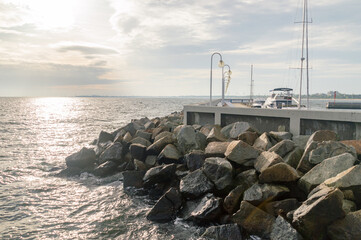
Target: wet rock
(282, 230)
(209, 209)
(106, 169)
(238, 128)
(264, 142)
(164, 134)
(317, 212)
(195, 159)
(223, 232)
(189, 139)
(262, 193)
(216, 149)
(304, 164)
(140, 140)
(280, 172)
(138, 151)
(282, 207)
(169, 154)
(159, 174)
(240, 152)
(158, 146)
(254, 220)
(195, 184)
(327, 169)
(293, 158)
(329, 149)
(143, 134)
(346, 228)
(187, 209)
(281, 135)
(83, 159)
(215, 135)
(265, 160)
(283, 148)
(248, 137)
(322, 135)
(115, 152)
(219, 171)
(166, 207)
(105, 137)
(133, 179)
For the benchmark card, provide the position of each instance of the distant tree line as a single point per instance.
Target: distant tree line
(339, 95)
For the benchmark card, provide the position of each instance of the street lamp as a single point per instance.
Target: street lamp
(221, 65)
(228, 73)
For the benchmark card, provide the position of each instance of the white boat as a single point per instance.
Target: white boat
(280, 98)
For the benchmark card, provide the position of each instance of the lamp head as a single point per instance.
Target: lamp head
(221, 63)
(229, 72)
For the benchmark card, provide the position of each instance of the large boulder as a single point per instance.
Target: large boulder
(248, 137)
(169, 154)
(159, 174)
(262, 193)
(158, 146)
(254, 220)
(281, 135)
(238, 128)
(140, 140)
(143, 134)
(282, 207)
(166, 207)
(219, 171)
(283, 148)
(322, 135)
(114, 152)
(283, 230)
(356, 144)
(195, 159)
(226, 130)
(105, 169)
(189, 139)
(326, 169)
(216, 149)
(346, 228)
(317, 212)
(138, 151)
(222, 232)
(208, 209)
(195, 184)
(133, 179)
(105, 137)
(329, 149)
(240, 152)
(215, 135)
(304, 164)
(83, 159)
(164, 134)
(264, 142)
(266, 159)
(280, 172)
(293, 158)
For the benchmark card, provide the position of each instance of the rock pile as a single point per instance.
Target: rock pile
(235, 179)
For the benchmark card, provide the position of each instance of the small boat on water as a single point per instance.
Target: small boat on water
(280, 98)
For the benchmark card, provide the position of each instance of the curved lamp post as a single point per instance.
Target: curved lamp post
(229, 72)
(220, 64)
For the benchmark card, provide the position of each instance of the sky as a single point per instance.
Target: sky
(164, 47)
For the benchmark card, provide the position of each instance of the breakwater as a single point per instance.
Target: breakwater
(234, 180)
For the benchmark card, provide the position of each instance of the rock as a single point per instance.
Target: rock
(197, 127)
(262, 193)
(281, 135)
(300, 140)
(158, 146)
(293, 158)
(206, 129)
(238, 128)
(146, 135)
(216, 149)
(195, 184)
(164, 134)
(223, 232)
(208, 209)
(83, 159)
(317, 212)
(356, 144)
(233, 199)
(195, 159)
(264, 142)
(149, 125)
(329, 149)
(105, 137)
(348, 206)
(282, 207)
(189, 139)
(138, 151)
(115, 152)
(188, 207)
(265, 160)
(169, 154)
(166, 207)
(159, 174)
(133, 179)
(322, 135)
(127, 137)
(283, 148)
(246, 178)
(226, 130)
(105, 169)
(139, 165)
(280, 172)
(282, 230)
(215, 135)
(240, 152)
(327, 169)
(346, 228)
(140, 140)
(158, 130)
(219, 171)
(151, 160)
(304, 164)
(248, 137)
(254, 220)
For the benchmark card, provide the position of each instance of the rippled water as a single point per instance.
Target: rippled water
(36, 134)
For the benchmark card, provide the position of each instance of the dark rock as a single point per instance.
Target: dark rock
(254, 220)
(348, 206)
(158, 130)
(105, 169)
(149, 125)
(264, 142)
(215, 135)
(195, 159)
(138, 151)
(127, 137)
(83, 159)
(266, 159)
(158, 146)
(169, 154)
(346, 228)
(238, 128)
(263, 193)
(282, 207)
(105, 137)
(283, 148)
(188, 207)
(159, 174)
(219, 171)
(216, 149)
(114, 152)
(139, 165)
(143, 134)
(195, 184)
(189, 139)
(283, 230)
(209, 209)
(329, 149)
(166, 207)
(233, 199)
(151, 160)
(322, 135)
(248, 137)
(140, 140)
(293, 157)
(246, 178)
(226, 130)
(133, 179)
(280, 172)
(206, 129)
(304, 164)
(301, 140)
(223, 232)
(240, 152)
(317, 212)
(164, 134)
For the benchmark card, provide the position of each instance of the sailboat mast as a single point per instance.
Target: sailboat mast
(251, 93)
(307, 66)
(302, 51)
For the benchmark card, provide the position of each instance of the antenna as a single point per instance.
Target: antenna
(252, 82)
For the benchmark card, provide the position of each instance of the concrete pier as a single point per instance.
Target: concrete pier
(347, 124)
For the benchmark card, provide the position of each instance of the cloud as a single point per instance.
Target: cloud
(87, 49)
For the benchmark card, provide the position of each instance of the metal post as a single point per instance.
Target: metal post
(210, 88)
